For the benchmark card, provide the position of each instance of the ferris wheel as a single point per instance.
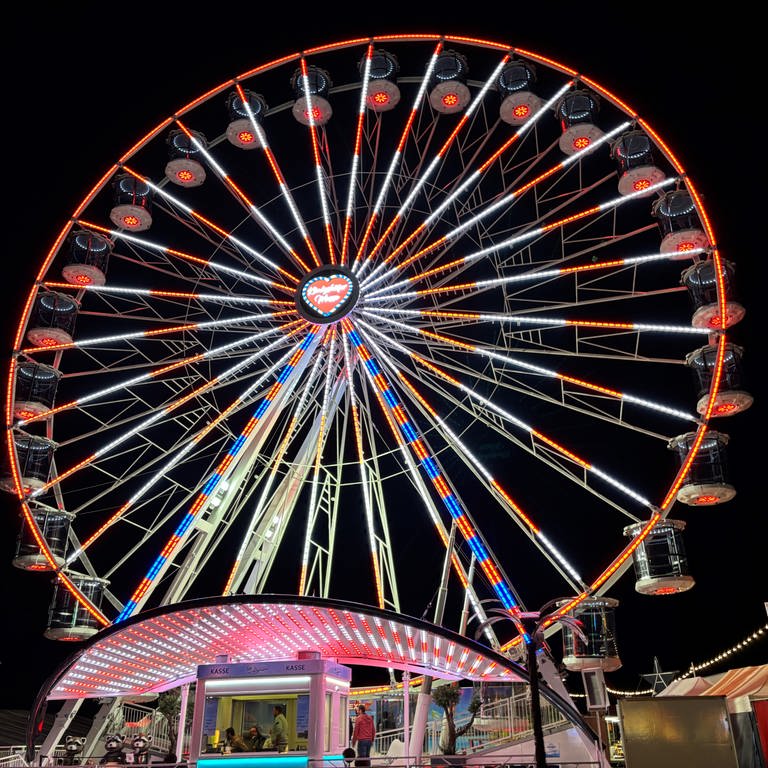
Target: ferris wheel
(385, 306)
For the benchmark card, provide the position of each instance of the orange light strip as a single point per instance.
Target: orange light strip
(85, 343)
(427, 407)
(226, 235)
(243, 197)
(318, 168)
(194, 440)
(356, 158)
(398, 153)
(442, 535)
(440, 241)
(330, 336)
(440, 153)
(166, 411)
(175, 540)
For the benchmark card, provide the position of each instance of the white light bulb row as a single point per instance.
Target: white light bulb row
(756, 635)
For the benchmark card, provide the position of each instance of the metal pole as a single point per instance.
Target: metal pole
(182, 727)
(407, 716)
(538, 730)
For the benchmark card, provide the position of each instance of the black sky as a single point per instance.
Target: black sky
(81, 85)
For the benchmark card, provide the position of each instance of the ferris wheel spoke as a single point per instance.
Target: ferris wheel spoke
(163, 558)
(178, 453)
(320, 178)
(537, 275)
(511, 242)
(537, 370)
(462, 187)
(364, 480)
(159, 414)
(415, 476)
(362, 258)
(242, 198)
(260, 132)
(247, 276)
(331, 372)
(355, 168)
(225, 235)
(259, 534)
(489, 482)
(488, 566)
(540, 442)
(428, 172)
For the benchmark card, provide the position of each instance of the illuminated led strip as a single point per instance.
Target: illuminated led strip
(463, 577)
(396, 157)
(318, 166)
(363, 474)
(427, 173)
(45, 550)
(208, 223)
(156, 417)
(276, 462)
(356, 153)
(213, 481)
(455, 441)
(518, 239)
(439, 528)
(543, 543)
(92, 342)
(214, 298)
(397, 435)
(249, 277)
(537, 369)
(178, 455)
(311, 512)
(521, 424)
(191, 360)
(252, 209)
(450, 501)
(278, 174)
(503, 202)
(512, 319)
(544, 274)
(471, 180)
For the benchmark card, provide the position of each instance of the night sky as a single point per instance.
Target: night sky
(81, 87)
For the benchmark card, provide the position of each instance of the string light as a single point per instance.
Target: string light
(756, 635)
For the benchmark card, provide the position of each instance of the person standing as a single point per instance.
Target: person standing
(363, 735)
(278, 733)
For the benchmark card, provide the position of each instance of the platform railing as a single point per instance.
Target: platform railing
(498, 723)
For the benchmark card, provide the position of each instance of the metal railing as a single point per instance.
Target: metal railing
(497, 724)
(427, 761)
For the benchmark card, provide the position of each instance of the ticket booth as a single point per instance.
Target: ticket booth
(314, 695)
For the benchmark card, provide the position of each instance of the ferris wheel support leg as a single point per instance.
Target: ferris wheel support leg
(60, 724)
(423, 702)
(99, 724)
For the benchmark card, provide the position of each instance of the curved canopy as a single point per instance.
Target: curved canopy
(162, 648)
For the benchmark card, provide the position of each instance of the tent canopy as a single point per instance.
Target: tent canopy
(751, 682)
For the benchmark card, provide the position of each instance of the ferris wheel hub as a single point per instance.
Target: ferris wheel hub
(327, 294)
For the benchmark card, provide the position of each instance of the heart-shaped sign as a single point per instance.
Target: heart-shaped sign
(326, 295)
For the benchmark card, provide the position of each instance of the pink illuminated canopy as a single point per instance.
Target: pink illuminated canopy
(162, 648)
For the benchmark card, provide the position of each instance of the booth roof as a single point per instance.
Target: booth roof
(735, 683)
(162, 648)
